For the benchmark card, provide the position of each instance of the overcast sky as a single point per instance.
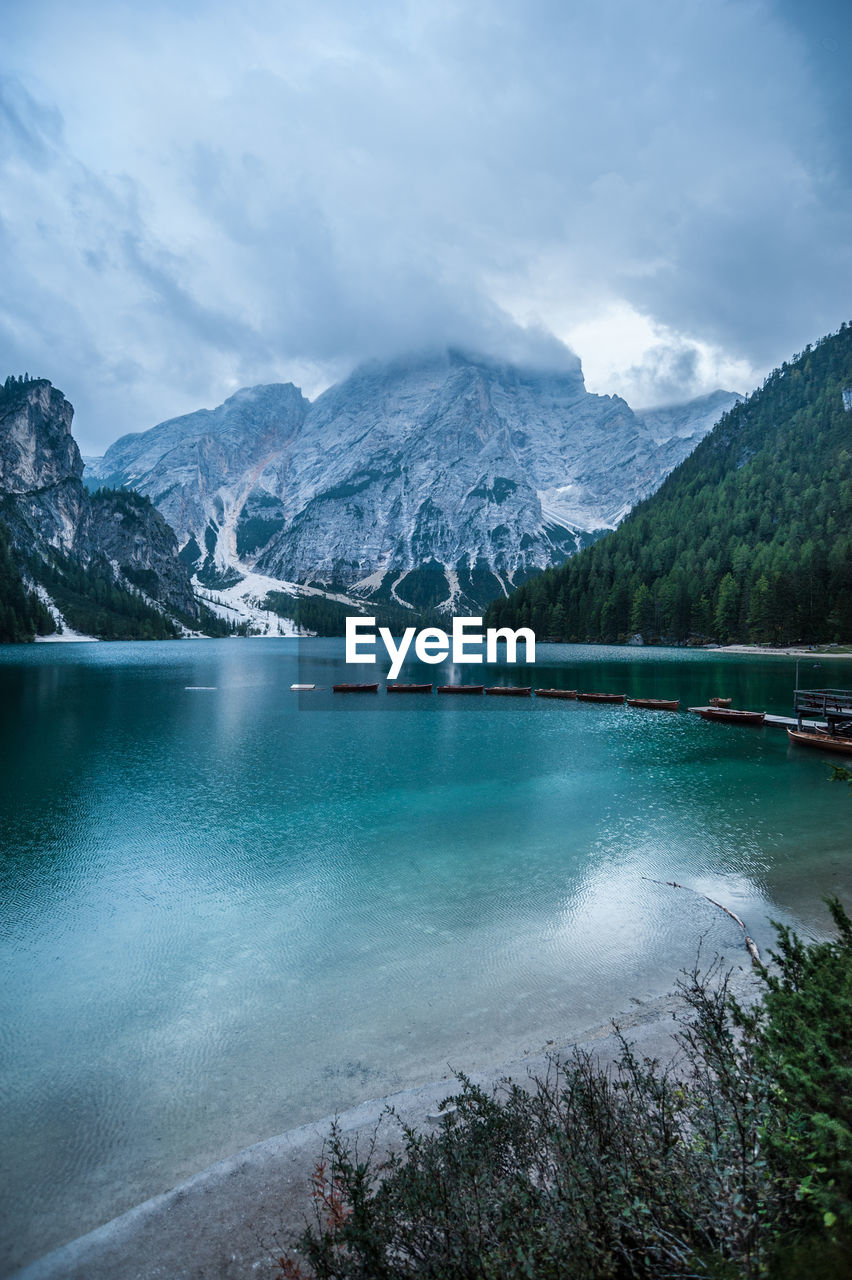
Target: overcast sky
(200, 196)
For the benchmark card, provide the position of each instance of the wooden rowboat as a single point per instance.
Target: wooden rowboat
(654, 704)
(720, 702)
(728, 716)
(355, 688)
(823, 741)
(601, 697)
(460, 688)
(510, 691)
(556, 693)
(409, 688)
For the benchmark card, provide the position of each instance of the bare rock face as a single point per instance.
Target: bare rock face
(130, 532)
(40, 466)
(214, 474)
(37, 448)
(689, 422)
(49, 513)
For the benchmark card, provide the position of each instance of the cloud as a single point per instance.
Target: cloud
(204, 196)
(665, 372)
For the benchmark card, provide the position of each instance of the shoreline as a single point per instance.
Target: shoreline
(789, 652)
(741, 650)
(237, 1216)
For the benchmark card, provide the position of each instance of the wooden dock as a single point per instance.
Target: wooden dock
(780, 722)
(834, 704)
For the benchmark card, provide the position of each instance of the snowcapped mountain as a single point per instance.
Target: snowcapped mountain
(435, 481)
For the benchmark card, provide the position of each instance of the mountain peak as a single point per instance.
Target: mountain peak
(439, 476)
(262, 392)
(688, 420)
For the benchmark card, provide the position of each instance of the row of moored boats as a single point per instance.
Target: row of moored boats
(823, 739)
(719, 709)
(513, 691)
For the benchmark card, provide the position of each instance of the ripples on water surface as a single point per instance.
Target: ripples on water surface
(224, 915)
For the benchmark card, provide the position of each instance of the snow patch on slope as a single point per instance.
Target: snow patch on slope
(64, 634)
(243, 603)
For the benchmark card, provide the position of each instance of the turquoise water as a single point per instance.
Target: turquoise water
(229, 908)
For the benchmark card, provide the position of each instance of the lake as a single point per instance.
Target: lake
(228, 908)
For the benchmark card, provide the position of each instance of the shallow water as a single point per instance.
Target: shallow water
(229, 908)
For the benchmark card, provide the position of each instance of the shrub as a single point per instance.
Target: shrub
(735, 1160)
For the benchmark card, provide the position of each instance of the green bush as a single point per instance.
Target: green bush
(733, 1161)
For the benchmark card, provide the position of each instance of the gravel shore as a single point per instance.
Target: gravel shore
(235, 1218)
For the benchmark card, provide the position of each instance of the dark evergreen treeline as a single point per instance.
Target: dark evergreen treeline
(12, 385)
(91, 602)
(22, 613)
(127, 501)
(139, 508)
(749, 539)
(313, 613)
(88, 597)
(326, 617)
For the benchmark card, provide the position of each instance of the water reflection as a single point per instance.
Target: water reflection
(223, 916)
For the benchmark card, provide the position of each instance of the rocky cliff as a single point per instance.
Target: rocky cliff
(40, 466)
(58, 531)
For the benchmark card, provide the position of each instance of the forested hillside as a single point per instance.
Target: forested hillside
(749, 539)
(22, 613)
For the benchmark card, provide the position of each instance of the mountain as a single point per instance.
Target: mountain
(439, 480)
(749, 539)
(105, 563)
(689, 421)
(214, 474)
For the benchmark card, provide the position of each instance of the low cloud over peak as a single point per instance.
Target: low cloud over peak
(209, 198)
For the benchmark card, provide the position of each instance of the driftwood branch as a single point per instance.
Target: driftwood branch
(751, 945)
